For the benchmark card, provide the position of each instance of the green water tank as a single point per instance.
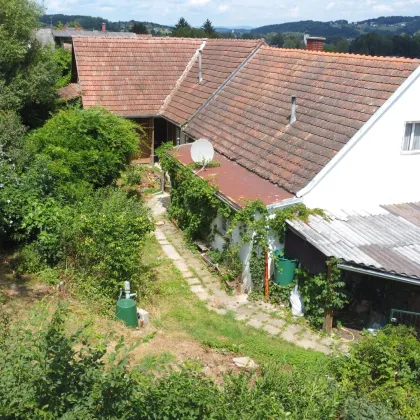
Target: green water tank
(127, 312)
(284, 269)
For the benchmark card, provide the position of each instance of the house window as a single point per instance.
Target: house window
(411, 140)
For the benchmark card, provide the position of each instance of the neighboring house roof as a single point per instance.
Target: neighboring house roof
(44, 36)
(386, 239)
(131, 77)
(70, 33)
(220, 58)
(70, 91)
(248, 120)
(236, 184)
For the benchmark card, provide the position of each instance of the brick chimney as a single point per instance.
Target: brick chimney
(104, 27)
(314, 43)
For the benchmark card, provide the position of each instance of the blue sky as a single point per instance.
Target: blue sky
(234, 12)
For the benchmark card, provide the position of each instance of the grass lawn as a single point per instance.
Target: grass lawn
(181, 327)
(179, 309)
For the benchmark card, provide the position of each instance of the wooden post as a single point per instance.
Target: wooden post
(266, 283)
(328, 321)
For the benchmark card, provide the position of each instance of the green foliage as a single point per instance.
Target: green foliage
(298, 211)
(386, 45)
(27, 72)
(277, 40)
(48, 373)
(322, 294)
(209, 29)
(62, 59)
(280, 294)
(193, 205)
(105, 238)
(132, 176)
(139, 28)
(386, 368)
(90, 145)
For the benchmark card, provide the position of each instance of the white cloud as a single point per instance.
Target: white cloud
(294, 11)
(198, 2)
(223, 8)
(330, 5)
(383, 8)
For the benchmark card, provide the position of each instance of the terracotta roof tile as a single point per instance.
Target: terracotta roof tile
(131, 76)
(248, 120)
(220, 58)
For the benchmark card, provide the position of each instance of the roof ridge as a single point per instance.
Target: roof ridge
(349, 55)
(184, 74)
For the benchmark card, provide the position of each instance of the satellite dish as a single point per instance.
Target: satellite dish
(202, 151)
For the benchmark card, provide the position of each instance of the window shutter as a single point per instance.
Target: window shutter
(407, 136)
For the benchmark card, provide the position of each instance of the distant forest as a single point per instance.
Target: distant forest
(387, 36)
(396, 25)
(95, 23)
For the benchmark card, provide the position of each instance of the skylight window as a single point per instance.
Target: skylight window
(411, 141)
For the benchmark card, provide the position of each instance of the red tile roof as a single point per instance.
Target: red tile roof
(248, 121)
(70, 91)
(220, 58)
(131, 77)
(235, 183)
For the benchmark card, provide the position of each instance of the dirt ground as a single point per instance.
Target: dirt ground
(20, 294)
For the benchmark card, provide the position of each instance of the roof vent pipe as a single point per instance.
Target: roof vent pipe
(200, 66)
(293, 111)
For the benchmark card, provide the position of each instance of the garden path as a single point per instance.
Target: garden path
(207, 287)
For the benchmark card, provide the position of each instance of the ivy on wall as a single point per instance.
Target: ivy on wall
(194, 206)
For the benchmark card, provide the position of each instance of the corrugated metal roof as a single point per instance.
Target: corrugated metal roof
(386, 239)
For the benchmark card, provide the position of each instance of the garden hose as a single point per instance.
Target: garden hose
(349, 332)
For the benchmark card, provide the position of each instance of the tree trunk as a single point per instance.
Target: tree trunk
(328, 321)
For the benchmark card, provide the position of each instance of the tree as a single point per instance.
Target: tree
(209, 29)
(139, 28)
(182, 23)
(27, 72)
(277, 41)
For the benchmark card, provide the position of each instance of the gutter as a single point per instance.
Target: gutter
(359, 135)
(285, 203)
(374, 273)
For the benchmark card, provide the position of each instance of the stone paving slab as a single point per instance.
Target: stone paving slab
(197, 289)
(271, 329)
(290, 332)
(193, 281)
(171, 252)
(275, 322)
(254, 323)
(208, 289)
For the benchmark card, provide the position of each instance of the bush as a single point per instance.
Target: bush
(385, 367)
(132, 176)
(105, 237)
(90, 145)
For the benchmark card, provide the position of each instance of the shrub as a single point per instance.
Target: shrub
(105, 238)
(90, 145)
(132, 176)
(386, 367)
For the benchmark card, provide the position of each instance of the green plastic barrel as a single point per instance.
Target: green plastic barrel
(127, 312)
(284, 269)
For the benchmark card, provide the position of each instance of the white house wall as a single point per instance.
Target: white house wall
(375, 171)
(245, 251)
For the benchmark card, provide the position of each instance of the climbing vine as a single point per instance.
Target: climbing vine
(322, 293)
(194, 206)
